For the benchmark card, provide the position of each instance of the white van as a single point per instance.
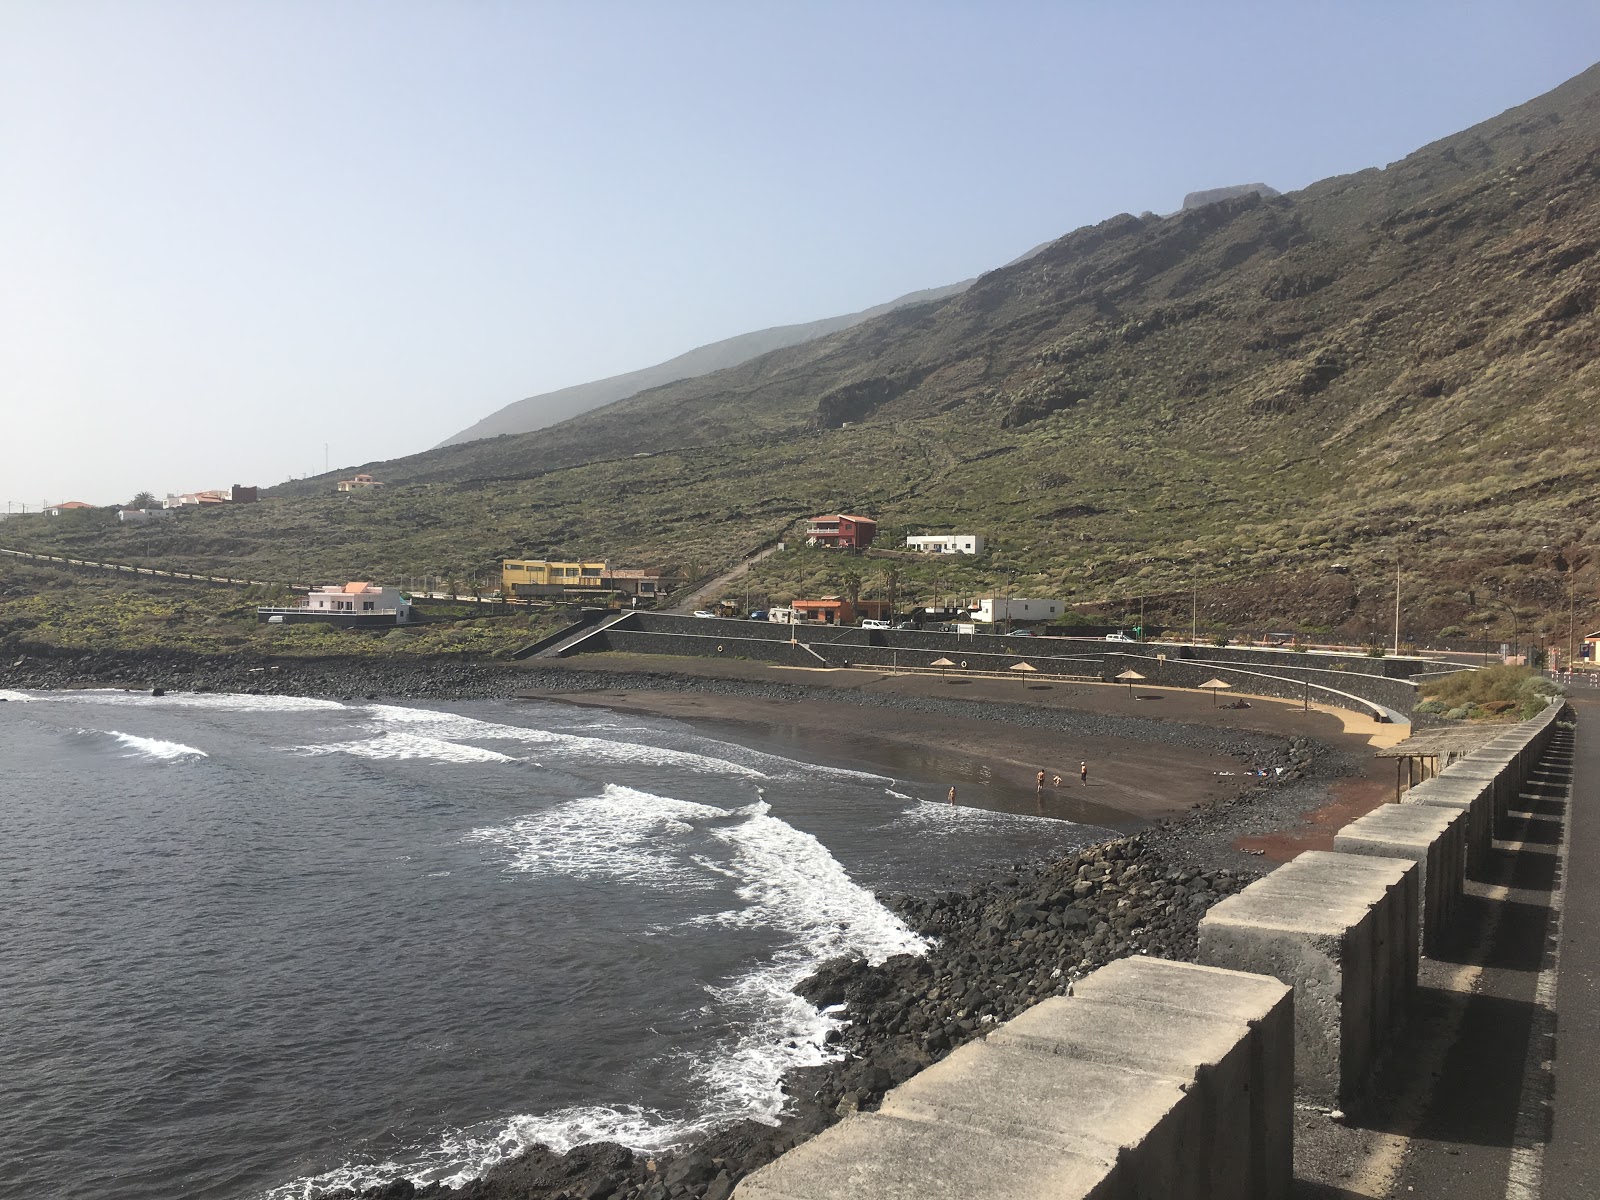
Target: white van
(871, 624)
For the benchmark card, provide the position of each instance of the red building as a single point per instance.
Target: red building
(852, 533)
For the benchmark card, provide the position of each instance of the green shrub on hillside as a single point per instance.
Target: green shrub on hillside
(1488, 692)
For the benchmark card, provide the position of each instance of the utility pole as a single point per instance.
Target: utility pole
(1397, 601)
(1194, 613)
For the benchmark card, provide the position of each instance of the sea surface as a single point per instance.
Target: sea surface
(261, 946)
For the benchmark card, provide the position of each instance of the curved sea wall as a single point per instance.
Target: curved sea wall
(1354, 683)
(1086, 1096)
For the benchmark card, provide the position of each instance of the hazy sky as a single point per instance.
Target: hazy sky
(232, 232)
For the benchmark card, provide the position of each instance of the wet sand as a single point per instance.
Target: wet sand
(991, 760)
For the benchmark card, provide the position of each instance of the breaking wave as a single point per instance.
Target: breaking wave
(155, 748)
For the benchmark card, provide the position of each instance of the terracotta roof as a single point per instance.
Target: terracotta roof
(356, 588)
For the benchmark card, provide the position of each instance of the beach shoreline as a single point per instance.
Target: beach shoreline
(1196, 801)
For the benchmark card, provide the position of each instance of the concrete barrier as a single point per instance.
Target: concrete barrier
(1434, 838)
(1475, 797)
(1343, 931)
(1155, 1079)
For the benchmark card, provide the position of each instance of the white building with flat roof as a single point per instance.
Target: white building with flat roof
(946, 543)
(1006, 608)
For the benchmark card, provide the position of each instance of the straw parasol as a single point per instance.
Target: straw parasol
(941, 663)
(1022, 666)
(1214, 686)
(1129, 677)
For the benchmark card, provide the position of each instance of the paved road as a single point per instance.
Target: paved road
(1572, 1160)
(1495, 1094)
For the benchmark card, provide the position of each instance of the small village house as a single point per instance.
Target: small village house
(946, 543)
(65, 507)
(359, 482)
(239, 494)
(136, 516)
(841, 530)
(353, 605)
(835, 610)
(1005, 608)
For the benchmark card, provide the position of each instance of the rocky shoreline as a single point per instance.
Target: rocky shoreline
(999, 945)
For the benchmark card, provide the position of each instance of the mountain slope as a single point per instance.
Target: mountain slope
(1399, 363)
(550, 408)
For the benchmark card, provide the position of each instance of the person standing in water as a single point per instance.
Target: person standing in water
(1083, 772)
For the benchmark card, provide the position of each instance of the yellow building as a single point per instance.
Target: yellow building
(542, 577)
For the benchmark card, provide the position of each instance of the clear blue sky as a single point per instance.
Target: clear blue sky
(232, 231)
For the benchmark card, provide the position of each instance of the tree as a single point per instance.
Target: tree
(851, 583)
(143, 500)
(891, 583)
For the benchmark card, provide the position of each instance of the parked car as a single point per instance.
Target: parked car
(869, 623)
(760, 614)
(1020, 633)
(700, 612)
(1119, 636)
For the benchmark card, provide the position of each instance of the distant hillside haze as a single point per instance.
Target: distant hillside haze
(549, 408)
(1212, 195)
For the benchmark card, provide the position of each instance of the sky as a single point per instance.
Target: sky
(242, 239)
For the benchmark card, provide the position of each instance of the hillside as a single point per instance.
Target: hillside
(1268, 399)
(550, 408)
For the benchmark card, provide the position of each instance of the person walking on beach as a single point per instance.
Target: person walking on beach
(1083, 772)
(1039, 782)
(1055, 781)
(952, 796)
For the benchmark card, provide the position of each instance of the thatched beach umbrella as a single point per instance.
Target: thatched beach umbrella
(1214, 686)
(1128, 677)
(942, 663)
(1024, 668)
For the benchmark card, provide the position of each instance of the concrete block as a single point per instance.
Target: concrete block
(1500, 772)
(1232, 1033)
(1144, 1122)
(1342, 931)
(1471, 796)
(1435, 838)
(870, 1156)
(1165, 1081)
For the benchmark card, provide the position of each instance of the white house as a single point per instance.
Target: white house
(359, 598)
(132, 516)
(354, 605)
(946, 543)
(1005, 608)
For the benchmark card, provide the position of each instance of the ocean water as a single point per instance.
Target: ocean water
(264, 946)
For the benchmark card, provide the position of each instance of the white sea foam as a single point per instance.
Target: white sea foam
(18, 697)
(400, 745)
(155, 748)
(793, 884)
(231, 701)
(461, 1155)
(939, 818)
(590, 749)
(622, 834)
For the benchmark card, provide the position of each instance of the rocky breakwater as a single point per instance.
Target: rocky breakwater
(999, 947)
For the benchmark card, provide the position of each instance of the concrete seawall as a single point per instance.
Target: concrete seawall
(1166, 1079)
(1357, 684)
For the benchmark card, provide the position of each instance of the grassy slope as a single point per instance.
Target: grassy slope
(1391, 363)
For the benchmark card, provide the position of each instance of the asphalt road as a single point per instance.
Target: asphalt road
(1495, 1092)
(1572, 1159)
